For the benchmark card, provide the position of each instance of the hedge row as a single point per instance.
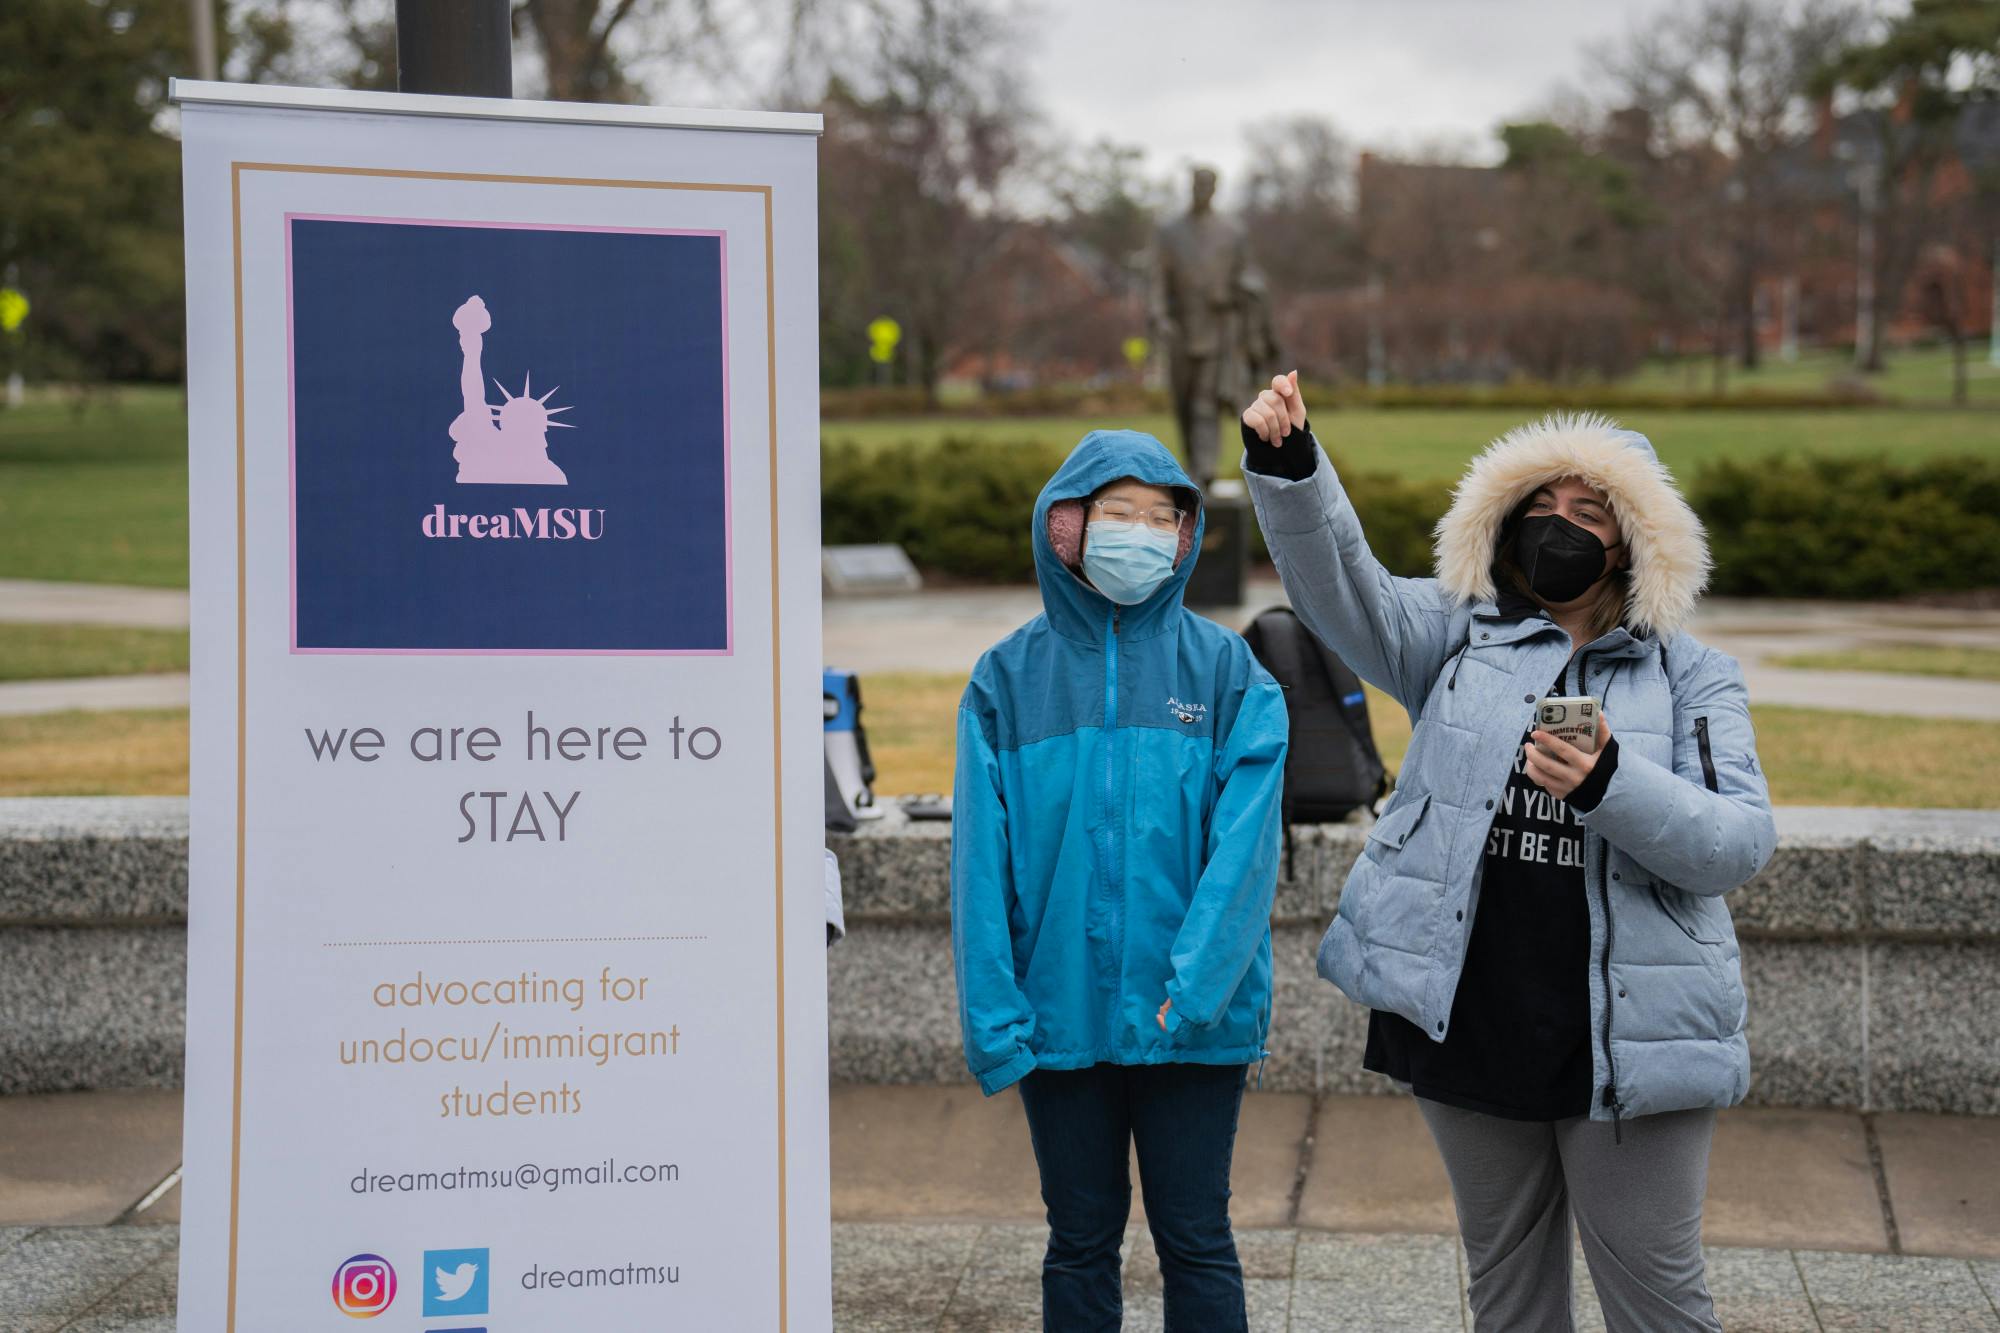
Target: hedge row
(1779, 527)
(1605, 398)
(1851, 527)
(896, 402)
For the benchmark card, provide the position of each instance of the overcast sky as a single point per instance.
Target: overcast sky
(1181, 78)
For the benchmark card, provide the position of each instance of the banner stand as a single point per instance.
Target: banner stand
(506, 974)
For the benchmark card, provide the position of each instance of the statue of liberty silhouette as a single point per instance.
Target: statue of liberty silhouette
(504, 444)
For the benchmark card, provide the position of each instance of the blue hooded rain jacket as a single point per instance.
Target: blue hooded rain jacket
(1115, 820)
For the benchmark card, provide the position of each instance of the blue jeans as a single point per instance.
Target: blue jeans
(1182, 1117)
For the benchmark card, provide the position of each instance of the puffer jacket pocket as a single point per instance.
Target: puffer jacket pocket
(1696, 920)
(1393, 829)
(1706, 752)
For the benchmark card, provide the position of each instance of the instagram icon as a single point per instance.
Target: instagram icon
(364, 1286)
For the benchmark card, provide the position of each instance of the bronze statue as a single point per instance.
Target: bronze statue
(1212, 315)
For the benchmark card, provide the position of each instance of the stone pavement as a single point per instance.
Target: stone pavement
(946, 629)
(1815, 1221)
(94, 693)
(31, 601)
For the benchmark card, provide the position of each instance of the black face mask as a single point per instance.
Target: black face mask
(1560, 560)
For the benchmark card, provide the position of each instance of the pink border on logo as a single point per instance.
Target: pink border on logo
(728, 454)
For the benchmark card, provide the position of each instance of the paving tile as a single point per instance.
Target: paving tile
(1263, 1253)
(145, 1302)
(935, 1153)
(1002, 1285)
(83, 1158)
(1759, 1291)
(1755, 1291)
(1987, 1273)
(1267, 1302)
(61, 1272)
(1792, 1179)
(1375, 1282)
(164, 1211)
(938, 1153)
(1269, 1135)
(1895, 1294)
(893, 1278)
(1944, 1182)
(1375, 1168)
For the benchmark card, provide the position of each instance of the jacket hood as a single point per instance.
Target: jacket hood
(1669, 551)
(1075, 609)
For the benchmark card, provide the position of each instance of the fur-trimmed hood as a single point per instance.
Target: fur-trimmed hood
(1669, 551)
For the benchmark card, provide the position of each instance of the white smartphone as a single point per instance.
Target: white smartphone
(1572, 717)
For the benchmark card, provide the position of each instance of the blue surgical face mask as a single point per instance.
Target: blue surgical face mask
(1127, 562)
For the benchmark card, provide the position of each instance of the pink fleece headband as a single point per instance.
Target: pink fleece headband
(1066, 533)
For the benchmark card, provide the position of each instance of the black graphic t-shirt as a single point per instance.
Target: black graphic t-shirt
(1519, 1044)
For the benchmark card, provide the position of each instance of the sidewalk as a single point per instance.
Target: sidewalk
(946, 629)
(1816, 1220)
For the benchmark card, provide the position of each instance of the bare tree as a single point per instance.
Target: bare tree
(583, 50)
(924, 134)
(1299, 204)
(1733, 76)
(1915, 77)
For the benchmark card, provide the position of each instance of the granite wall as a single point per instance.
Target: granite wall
(1871, 953)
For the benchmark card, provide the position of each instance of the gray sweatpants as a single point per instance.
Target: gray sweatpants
(1637, 1206)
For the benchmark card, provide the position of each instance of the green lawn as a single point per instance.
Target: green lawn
(1812, 757)
(51, 652)
(1913, 660)
(1426, 443)
(1919, 375)
(139, 752)
(97, 495)
(100, 494)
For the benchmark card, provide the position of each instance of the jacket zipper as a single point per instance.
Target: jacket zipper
(1113, 862)
(1707, 758)
(1604, 900)
(1610, 1065)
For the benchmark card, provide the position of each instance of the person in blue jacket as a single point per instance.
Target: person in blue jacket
(1114, 856)
(1539, 928)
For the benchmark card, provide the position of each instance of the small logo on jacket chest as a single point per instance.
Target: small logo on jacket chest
(1187, 713)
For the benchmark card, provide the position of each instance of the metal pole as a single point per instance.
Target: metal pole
(1864, 276)
(460, 47)
(1993, 321)
(1788, 346)
(1378, 351)
(201, 21)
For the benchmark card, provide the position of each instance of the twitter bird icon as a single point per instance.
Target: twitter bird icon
(455, 1282)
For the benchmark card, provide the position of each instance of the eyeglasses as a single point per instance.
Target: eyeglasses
(1160, 518)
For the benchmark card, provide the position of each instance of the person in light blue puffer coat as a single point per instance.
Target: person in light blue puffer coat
(1540, 930)
(1115, 831)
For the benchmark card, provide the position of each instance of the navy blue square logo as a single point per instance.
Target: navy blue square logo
(507, 439)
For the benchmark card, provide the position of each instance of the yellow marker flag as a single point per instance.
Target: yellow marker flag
(883, 335)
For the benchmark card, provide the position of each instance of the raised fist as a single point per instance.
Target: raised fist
(1278, 411)
(472, 317)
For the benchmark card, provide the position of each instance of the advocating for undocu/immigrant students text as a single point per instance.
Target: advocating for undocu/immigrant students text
(506, 976)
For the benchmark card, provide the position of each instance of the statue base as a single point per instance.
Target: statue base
(1219, 575)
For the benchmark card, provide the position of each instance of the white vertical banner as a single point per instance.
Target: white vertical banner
(506, 973)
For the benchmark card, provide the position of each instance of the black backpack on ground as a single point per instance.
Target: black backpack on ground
(1331, 766)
